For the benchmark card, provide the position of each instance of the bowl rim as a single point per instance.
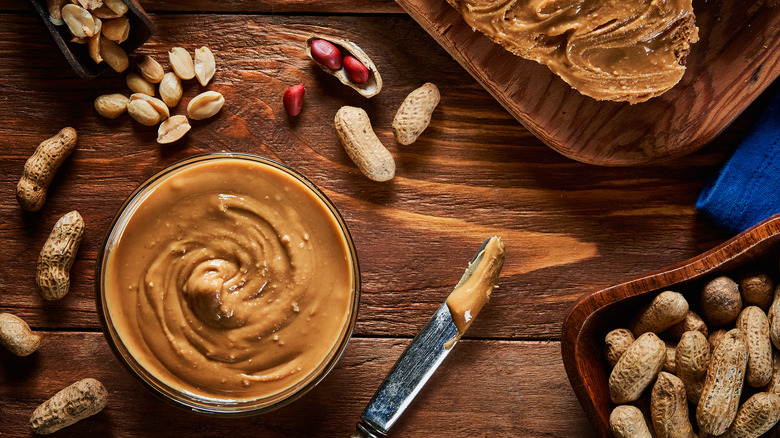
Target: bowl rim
(178, 398)
(587, 306)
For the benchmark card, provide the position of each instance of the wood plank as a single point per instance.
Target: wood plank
(254, 6)
(734, 61)
(569, 228)
(501, 388)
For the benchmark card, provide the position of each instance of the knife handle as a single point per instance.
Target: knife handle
(363, 430)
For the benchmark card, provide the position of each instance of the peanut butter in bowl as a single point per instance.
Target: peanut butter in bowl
(228, 284)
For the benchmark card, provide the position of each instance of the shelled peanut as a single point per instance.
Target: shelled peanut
(705, 372)
(149, 110)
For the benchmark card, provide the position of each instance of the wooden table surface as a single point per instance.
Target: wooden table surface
(569, 228)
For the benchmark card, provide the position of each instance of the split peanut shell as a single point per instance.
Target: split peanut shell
(374, 84)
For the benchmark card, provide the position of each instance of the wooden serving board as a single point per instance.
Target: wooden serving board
(736, 58)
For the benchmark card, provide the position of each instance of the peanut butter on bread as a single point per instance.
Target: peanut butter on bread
(619, 50)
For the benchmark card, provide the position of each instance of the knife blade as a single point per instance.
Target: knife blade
(416, 364)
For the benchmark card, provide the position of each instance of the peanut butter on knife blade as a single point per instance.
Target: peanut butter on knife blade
(468, 298)
(434, 342)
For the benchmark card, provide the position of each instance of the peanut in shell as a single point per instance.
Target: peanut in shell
(757, 415)
(774, 319)
(692, 321)
(637, 368)
(57, 256)
(16, 335)
(670, 363)
(74, 403)
(414, 114)
(692, 358)
(616, 343)
(666, 309)
(362, 145)
(40, 168)
(627, 421)
(669, 407)
(754, 323)
(757, 289)
(721, 302)
(715, 337)
(774, 382)
(723, 385)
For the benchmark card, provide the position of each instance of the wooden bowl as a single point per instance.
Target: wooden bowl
(77, 55)
(582, 343)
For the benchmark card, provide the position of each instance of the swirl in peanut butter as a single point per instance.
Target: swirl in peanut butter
(623, 50)
(231, 281)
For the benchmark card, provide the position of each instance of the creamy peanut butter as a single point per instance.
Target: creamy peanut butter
(623, 50)
(230, 281)
(466, 300)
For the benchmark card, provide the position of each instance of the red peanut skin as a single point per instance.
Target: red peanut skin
(293, 99)
(326, 54)
(356, 71)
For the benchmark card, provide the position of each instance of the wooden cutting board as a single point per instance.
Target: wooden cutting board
(736, 58)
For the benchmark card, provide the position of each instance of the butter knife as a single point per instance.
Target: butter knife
(434, 342)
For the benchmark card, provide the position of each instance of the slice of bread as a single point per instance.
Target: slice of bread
(619, 50)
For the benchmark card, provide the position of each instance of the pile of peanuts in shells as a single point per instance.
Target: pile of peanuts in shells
(339, 58)
(715, 373)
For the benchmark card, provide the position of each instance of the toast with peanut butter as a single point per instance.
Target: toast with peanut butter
(619, 50)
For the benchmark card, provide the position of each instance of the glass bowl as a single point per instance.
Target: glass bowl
(166, 386)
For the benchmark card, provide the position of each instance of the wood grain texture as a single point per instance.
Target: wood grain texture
(734, 61)
(515, 379)
(569, 228)
(254, 6)
(596, 314)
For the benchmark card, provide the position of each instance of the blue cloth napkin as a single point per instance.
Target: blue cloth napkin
(747, 188)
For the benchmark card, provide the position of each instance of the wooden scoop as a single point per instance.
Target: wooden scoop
(77, 55)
